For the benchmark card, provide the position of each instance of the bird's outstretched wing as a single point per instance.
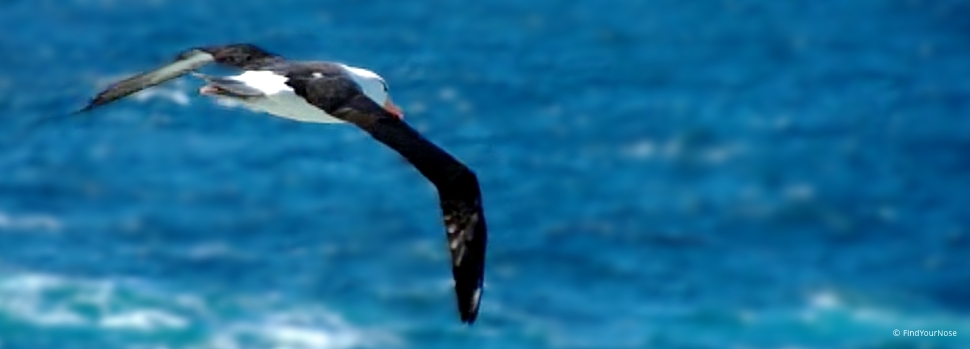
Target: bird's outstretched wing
(240, 56)
(458, 189)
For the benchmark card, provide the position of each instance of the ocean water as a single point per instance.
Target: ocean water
(656, 174)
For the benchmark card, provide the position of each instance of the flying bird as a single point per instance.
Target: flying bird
(329, 92)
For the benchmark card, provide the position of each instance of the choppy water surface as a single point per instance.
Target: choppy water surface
(657, 174)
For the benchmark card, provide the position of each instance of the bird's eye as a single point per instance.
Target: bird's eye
(385, 86)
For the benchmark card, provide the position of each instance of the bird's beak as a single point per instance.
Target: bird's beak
(209, 90)
(393, 109)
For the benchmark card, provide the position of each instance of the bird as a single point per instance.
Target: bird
(331, 92)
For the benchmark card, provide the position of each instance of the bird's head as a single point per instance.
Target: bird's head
(375, 88)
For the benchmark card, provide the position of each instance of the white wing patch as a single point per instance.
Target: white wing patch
(268, 82)
(280, 100)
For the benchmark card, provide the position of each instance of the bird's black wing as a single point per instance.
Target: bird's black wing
(240, 56)
(458, 189)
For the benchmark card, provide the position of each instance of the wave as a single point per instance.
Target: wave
(179, 97)
(110, 313)
(28, 222)
(825, 320)
(829, 319)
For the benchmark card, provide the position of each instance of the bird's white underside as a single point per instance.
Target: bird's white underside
(279, 99)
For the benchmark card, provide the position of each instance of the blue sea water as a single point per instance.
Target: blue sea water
(656, 174)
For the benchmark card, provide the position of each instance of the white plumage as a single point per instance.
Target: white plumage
(280, 100)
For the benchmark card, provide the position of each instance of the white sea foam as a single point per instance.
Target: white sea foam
(850, 322)
(288, 337)
(824, 300)
(211, 250)
(51, 301)
(22, 298)
(28, 222)
(113, 307)
(176, 96)
(307, 328)
(642, 149)
(143, 320)
(827, 305)
(826, 308)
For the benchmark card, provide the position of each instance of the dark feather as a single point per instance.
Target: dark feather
(458, 189)
(239, 56)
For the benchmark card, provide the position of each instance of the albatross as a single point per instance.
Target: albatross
(330, 92)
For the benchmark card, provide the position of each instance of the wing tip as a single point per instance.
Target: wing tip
(86, 109)
(469, 308)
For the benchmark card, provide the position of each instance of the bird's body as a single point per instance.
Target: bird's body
(269, 93)
(326, 92)
(276, 98)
